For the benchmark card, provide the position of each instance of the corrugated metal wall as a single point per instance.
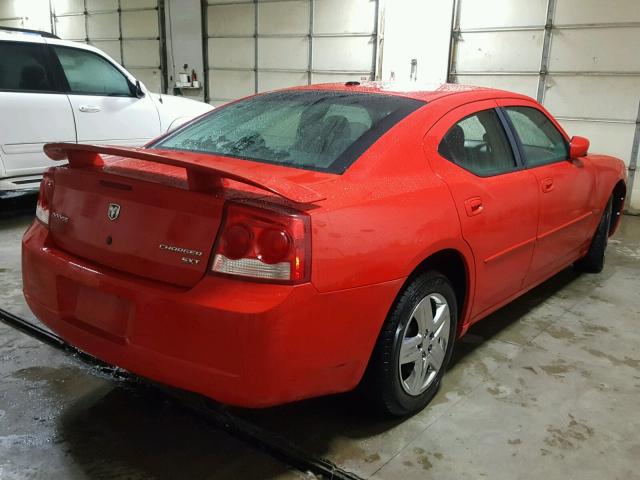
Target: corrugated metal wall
(253, 46)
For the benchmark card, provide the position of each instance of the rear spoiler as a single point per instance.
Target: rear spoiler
(204, 172)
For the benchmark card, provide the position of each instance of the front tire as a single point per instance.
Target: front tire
(593, 261)
(414, 346)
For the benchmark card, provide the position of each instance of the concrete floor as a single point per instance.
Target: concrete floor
(547, 387)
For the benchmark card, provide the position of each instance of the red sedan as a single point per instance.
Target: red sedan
(299, 242)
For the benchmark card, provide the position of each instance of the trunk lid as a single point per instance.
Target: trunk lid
(147, 229)
(152, 213)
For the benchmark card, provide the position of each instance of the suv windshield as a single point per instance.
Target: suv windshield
(315, 130)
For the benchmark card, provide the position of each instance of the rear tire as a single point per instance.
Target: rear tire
(414, 346)
(593, 261)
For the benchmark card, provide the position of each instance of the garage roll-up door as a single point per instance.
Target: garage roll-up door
(254, 46)
(32, 14)
(580, 58)
(127, 30)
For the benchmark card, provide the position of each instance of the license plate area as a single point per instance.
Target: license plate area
(96, 311)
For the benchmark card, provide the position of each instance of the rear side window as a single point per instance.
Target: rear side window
(479, 144)
(23, 67)
(541, 141)
(90, 74)
(314, 130)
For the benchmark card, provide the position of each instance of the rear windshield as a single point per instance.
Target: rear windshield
(315, 130)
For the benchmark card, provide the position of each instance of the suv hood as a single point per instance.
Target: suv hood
(174, 111)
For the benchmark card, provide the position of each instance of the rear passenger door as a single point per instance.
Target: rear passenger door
(496, 199)
(565, 188)
(33, 110)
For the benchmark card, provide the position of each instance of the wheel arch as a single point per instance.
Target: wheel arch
(458, 266)
(454, 265)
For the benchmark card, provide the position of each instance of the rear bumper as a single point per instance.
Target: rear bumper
(241, 343)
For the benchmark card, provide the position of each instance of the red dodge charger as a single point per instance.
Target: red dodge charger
(301, 242)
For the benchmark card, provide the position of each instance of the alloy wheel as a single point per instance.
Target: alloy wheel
(424, 344)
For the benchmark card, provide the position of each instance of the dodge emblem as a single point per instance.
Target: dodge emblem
(113, 211)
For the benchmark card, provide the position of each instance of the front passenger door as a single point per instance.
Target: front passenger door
(565, 189)
(106, 109)
(496, 199)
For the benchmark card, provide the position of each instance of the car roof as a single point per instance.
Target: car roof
(418, 91)
(20, 36)
(35, 36)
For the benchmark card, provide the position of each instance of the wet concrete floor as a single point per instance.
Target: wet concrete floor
(547, 387)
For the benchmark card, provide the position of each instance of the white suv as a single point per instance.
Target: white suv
(53, 90)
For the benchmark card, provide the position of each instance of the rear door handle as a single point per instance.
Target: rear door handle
(89, 109)
(547, 185)
(473, 206)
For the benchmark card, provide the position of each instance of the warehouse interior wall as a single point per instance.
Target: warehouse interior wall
(416, 38)
(256, 46)
(184, 43)
(580, 58)
(33, 14)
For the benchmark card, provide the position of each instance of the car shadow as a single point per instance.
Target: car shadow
(494, 324)
(18, 206)
(139, 432)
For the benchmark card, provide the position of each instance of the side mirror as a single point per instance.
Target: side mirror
(139, 91)
(578, 147)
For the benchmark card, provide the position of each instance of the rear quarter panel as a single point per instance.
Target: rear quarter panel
(385, 215)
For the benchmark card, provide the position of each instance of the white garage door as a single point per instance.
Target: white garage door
(127, 30)
(32, 14)
(254, 46)
(580, 58)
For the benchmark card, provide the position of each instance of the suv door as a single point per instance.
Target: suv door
(103, 99)
(566, 189)
(33, 112)
(496, 199)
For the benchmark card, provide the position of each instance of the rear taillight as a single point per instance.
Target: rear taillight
(45, 197)
(271, 244)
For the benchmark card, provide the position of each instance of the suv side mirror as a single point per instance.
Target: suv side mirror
(578, 147)
(139, 92)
